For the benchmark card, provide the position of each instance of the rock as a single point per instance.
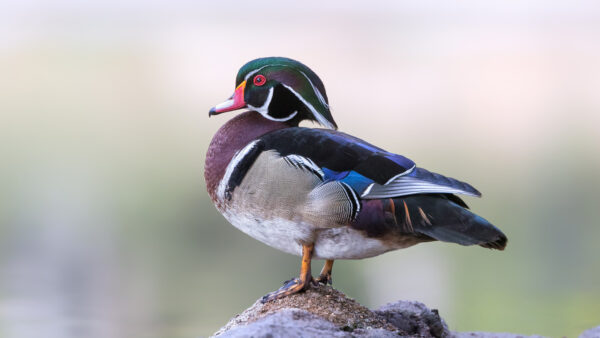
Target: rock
(414, 318)
(591, 333)
(490, 335)
(325, 312)
(298, 323)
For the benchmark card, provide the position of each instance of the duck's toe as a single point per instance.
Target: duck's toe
(290, 287)
(325, 275)
(323, 279)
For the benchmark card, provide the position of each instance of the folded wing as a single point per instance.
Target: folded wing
(369, 170)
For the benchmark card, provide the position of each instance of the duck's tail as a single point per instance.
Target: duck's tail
(446, 218)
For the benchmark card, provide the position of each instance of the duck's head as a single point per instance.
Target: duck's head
(280, 89)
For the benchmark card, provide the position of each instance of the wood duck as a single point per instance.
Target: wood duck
(321, 193)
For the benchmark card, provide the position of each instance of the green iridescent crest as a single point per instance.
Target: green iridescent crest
(300, 80)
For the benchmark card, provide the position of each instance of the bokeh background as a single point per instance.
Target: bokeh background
(105, 226)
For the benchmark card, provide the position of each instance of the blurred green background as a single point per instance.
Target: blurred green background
(105, 226)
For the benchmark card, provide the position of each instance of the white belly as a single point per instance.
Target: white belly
(287, 236)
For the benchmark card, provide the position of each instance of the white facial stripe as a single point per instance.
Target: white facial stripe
(237, 158)
(257, 70)
(264, 109)
(316, 114)
(254, 72)
(316, 90)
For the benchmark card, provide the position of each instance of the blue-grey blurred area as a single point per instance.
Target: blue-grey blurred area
(106, 229)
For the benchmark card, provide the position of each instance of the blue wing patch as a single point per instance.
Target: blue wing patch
(353, 179)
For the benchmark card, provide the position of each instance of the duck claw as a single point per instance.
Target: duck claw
(290, 287)
(323, 279)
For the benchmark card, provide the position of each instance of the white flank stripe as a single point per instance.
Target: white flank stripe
(354, 197)
(231, 167)
(306, 162)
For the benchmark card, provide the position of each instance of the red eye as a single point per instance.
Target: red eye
(259, 80)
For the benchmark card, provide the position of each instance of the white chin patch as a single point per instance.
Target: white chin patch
(282, 119)
(264, 109)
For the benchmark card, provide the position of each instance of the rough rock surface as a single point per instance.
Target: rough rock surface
(591, 333)
(490, 335)
(325, 312)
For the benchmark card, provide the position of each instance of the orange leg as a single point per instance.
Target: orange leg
(325, 275)
(297, 284)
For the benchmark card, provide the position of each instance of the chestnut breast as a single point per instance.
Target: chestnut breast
(230, 138)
